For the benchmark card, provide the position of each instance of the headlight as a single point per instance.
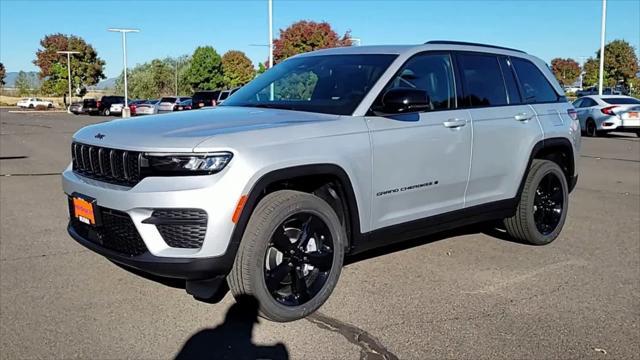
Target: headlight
(184, 164)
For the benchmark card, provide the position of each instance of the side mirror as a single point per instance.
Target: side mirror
(404, 100)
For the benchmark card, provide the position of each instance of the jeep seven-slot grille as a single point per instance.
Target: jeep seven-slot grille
(110, 165)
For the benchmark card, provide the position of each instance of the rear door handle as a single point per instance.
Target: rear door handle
(523, 116)
(454, 123)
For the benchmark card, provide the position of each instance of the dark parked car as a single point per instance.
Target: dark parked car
(206, 98)
(102, 107)
(183, 105)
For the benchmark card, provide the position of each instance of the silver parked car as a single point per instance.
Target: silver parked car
(149, 107)
(325, 155)
(601, 114)
(170, 103)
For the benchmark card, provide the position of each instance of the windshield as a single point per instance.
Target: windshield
(621, 100)
(168, 99)
(330, 84)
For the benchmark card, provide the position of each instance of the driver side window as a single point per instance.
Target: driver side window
(429, 72)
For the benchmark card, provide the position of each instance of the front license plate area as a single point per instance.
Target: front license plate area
(85, 209)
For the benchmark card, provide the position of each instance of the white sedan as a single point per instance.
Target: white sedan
(601, 114)
(30, 103)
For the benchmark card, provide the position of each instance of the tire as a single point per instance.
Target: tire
(260, 240)
(30, 106)
(591, 128)
(534, 209)
(638, 133)
(49, 106)
(106, 112)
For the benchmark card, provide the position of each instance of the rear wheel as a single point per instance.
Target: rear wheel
(592, 129)
(106, 112)
(543, 205)
(291, 255)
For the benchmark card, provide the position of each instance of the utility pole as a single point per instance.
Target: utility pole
(69, 73)
(602, 31)
(177, 77)
(125, 109)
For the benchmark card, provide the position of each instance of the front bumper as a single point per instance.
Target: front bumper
(217, 195)
(172, 267)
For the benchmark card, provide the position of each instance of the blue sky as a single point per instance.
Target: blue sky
(548, 29)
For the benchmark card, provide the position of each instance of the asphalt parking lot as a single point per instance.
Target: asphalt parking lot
(468, 294)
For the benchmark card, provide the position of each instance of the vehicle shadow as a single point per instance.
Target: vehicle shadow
(492, 229)
(232, 339)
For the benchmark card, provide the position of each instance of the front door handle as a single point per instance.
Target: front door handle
(523, 116)
(454, 123)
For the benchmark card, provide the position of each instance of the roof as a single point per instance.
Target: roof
(401, 49)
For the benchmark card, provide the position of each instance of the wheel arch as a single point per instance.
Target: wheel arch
(558, 150)
(295, 178)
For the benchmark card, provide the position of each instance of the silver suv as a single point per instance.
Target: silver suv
(328, 154)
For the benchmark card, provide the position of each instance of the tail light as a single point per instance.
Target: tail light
(98, 103)
(573, 114)
(608, 110)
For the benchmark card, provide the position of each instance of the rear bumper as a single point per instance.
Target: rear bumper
(172, 267)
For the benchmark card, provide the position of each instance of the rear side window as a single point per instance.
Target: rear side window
(482, 80)
(535, 87)
(578, 103)
(621, 101)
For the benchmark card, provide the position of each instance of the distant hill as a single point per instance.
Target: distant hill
(105, 84)
(10, 78)
(10, 81)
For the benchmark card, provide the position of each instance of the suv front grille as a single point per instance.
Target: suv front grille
(180, 228)
(117, 232)
(119, 167)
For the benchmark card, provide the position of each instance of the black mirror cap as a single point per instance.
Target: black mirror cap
(404, 100)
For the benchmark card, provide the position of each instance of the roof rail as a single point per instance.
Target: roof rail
(447, 42)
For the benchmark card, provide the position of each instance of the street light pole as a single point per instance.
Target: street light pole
(602, 31)
(125, 109)
(271, 87)
(69, 73)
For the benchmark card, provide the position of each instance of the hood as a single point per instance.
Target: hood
(183, 131)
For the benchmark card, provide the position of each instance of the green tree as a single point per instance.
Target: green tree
(23, 84)
(566, 71)
(156, 79)
(304, 36)
(3, 73)
(620, 61)
(236, 68)
(262, 67)
(590, 68)
(620, 65)
(86, 67)
(205, 72)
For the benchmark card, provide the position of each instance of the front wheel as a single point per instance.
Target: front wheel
(291, 255)
(106, 112)
(543, 205)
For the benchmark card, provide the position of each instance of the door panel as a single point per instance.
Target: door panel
(501, 147)
(420, 167)
(420, 160)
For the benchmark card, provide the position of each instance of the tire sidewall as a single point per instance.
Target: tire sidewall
(268, 305)
(538, 238)
(592, 129)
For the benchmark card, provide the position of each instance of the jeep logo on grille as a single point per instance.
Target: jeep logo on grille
(99, 136)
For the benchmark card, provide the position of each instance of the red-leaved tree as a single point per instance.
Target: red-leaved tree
(304, 36)
(566, 71)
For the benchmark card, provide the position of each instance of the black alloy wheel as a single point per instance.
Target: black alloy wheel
(298, 259)
(548, 204)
